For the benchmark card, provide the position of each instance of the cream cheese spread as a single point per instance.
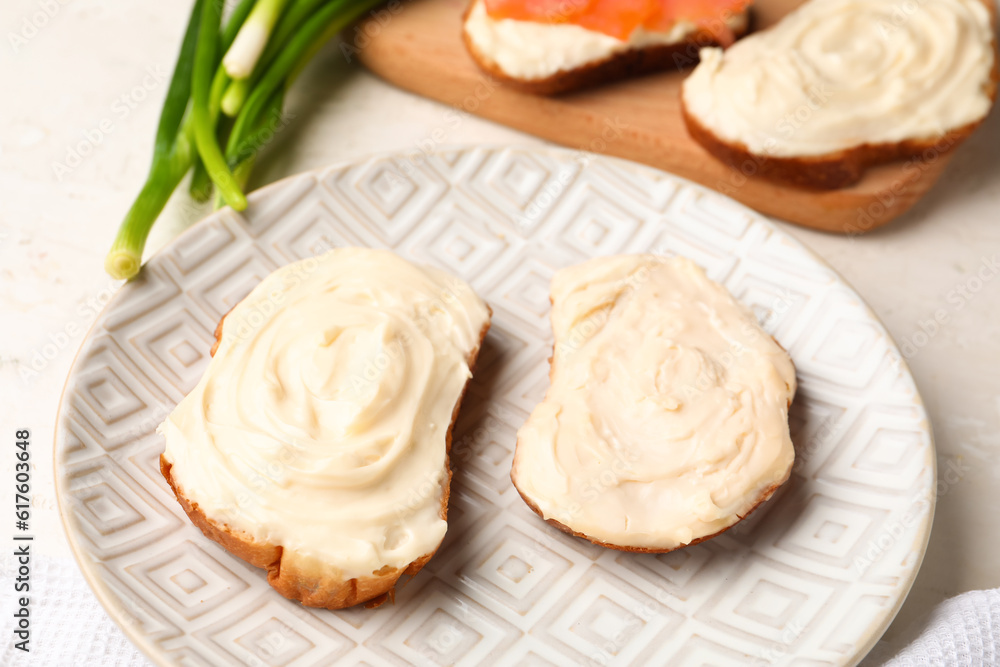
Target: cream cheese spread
(532, 50)
(320, 423)
(837, 74)
(667, 415)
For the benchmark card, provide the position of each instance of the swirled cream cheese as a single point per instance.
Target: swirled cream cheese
(532, 50)
(320, 423)
(836, 74)
(667, 415)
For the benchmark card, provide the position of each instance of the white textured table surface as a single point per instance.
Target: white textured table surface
(83, 81)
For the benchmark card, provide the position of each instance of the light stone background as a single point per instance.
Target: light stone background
(90, 75)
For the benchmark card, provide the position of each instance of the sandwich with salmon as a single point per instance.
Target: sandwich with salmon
(556, 46)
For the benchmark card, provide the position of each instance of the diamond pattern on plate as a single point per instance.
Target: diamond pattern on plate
(314, 232)
(765, 598)
(226, 286)
(602, 620)
(513, 570)
(876, 451)
(191, 251)
(482, 447)
(388, 202)
(832, 532)
(173, 346)
(445, 627)
(117, 514)
(518, 187)
(811, 577)
(115, 398)
(593, 220)
(190, 578)
(273, 631)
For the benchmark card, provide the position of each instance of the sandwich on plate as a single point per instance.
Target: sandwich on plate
(316, 444)
(666, 419)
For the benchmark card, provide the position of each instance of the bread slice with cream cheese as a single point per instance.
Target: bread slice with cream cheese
(839, 86)
(316, 444)
(666, 419)
(549, 57)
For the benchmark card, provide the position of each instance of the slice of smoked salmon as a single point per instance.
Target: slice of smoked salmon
(619, 18)
(538, 11)
(711, 15)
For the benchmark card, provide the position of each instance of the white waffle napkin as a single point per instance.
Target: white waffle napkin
(963, 630)
(69, 627)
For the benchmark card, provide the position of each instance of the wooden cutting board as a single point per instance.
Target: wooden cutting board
(418, 47)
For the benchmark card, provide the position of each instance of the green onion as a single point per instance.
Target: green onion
(201, 94)
(235, 22)
(241, 57)
(291, 20)
(329, 20)
(245, 154)
(298, 11)
(235, 96)
(265, 44)
(201, 184)
(172, 156)
(200, 188)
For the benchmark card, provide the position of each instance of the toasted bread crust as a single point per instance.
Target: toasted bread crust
(326, 591)
(839, 169)
(641, 550)
(830, 171)
(632, 62)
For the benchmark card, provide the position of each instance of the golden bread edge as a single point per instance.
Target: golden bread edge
(643, 550)
(329, 592)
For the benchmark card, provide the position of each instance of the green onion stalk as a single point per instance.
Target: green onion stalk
(242, 70)
(298, 11)
(201, 185)
(172, 156)
(252, 38)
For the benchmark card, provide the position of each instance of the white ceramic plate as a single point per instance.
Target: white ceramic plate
(813, 577)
